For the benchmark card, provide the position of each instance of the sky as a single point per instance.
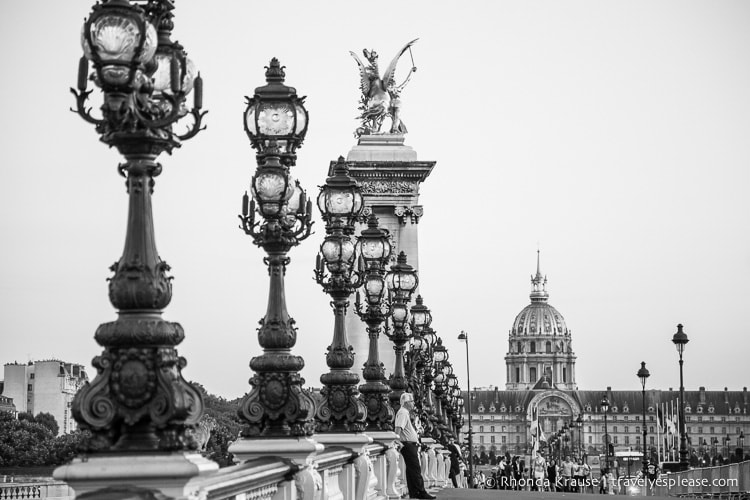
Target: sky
(612, 135)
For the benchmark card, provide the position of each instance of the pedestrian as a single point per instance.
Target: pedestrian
(552, 475)
(409, 445)
(540, 470)
(456, 459)
(567, 473)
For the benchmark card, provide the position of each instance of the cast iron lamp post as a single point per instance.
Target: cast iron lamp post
(340, 204)
(465, 337)
(604, 404)
(680, 339)
(139, 400)
(276, 122)
(643, 374)
(579, 426)
(419, 354)
(402, 281)
(741, 444)
(374, 248)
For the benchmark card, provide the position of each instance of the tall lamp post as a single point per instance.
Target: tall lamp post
(276, 123)
(741, 444)
(579, 426)
(402, 281)
(680, 340)
(374, 248)
(643, 374)
(465, 337)
(138, 401)
(604, 404)
(340, 204)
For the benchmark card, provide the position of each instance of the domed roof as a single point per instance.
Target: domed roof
(539, 317)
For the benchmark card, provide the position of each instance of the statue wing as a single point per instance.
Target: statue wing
(390, 71)
(364, 78)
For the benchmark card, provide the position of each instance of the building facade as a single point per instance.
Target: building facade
(44, 387)
(542, 396)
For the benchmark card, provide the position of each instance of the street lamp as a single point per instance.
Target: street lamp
(741, 444)
(402, 281)
(604, 404)
(139, 400)
(277, 406)
(680, 339)
(643, 374)
(420, 353)
(579, 426)
(465, 337)
(340, 204)
(374, 248)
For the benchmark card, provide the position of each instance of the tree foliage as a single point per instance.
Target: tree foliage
(226, 429)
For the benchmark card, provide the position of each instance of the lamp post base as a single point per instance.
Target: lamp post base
(168, 473)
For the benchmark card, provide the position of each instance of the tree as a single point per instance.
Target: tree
(226, 428)
(23, 442)
(48, 420)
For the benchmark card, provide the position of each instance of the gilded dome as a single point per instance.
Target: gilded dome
(539, 317)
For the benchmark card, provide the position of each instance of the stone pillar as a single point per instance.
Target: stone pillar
(390, 174)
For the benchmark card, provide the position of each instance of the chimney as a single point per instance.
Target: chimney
(702, 395)
(726, 396)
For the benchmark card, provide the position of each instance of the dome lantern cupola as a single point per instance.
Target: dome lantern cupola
(538, 284)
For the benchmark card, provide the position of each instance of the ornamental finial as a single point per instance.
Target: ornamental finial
(275, 72)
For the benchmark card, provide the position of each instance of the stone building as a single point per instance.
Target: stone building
(541, 387)
(44, 386)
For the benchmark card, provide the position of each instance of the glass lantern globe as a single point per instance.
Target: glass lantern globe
(439, 352)
(402, 278)
(118, 39)
(275, 117)
(272, 187)
(374, 289)
(338, 253)
(340, 199)
(430, 336)
(374, 245)
(452, 381)
(420, 315)
(439, 379)
(399, 314)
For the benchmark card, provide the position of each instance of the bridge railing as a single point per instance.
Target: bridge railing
(724, 481)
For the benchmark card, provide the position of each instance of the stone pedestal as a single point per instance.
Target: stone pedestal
(168, 473)
(390, 174)
(354, 481)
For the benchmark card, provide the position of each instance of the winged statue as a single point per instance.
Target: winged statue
(380, 95)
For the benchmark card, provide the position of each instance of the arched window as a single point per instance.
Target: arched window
(548, 347)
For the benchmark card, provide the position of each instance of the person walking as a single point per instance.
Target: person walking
(552, 475)
(456, 459)
(409, 448)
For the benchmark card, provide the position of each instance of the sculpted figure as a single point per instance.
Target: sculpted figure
(380, 95)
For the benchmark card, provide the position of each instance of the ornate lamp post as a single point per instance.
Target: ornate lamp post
(579, 426)
(680, 339)
(741, 443)
(604, 404)
(402, 281)
(340, 204)
(276, 123)
(139, 400)
(643, 374)
(465, 337)
(374, 248)
(565, 438)
(419, 354)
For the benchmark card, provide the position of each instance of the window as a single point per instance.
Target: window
(548, 347)
(589, 428)
(565, 374)
(481, 428)
(532, 372)
(518, 374)
(627, 440)
(31, 376)
(614, 429)
(690, 429)
(615, 439)
(626, 429)
(532, 346)
(518, 439)
(651, 429)
(638, 418)
(503, 428)
(712, 430)
(590, 439)
(481, 439)
(723, 430)
(492, 439)
(651, 440)
(638, 440)
(492, 428)
(502, 439)
(700, 430)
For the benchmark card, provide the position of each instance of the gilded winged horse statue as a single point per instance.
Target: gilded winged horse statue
(380, 96)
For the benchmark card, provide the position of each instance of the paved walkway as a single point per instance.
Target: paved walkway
(462, 493)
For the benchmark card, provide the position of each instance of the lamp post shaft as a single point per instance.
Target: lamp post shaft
(606, 442)
(471, 429)
(644, 447)
(683, 438)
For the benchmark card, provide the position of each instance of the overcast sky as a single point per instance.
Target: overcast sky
(614, 135)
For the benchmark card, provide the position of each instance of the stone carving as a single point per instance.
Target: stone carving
(380, 95)
(413, 213)
(308, 483)
(383, 187)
